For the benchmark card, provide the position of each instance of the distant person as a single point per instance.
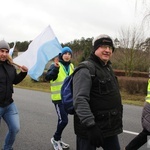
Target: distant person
(56, 75)
(142, 137)
(97, 100)
(8, 109)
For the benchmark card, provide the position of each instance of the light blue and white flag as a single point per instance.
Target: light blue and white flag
(12, 49)
(42, 49)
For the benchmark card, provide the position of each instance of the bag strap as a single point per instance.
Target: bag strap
(89, 65)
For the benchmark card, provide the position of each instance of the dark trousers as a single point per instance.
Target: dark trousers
(62, 120)
(138, 141)
(110, 143)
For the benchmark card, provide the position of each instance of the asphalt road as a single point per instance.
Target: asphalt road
(38, 122)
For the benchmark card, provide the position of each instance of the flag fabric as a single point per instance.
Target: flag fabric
(12, 49)
(42, 49)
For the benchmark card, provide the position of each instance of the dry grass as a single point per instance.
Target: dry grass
(133, 99)
(27, 83)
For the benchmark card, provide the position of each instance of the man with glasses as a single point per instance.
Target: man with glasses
(97, 100)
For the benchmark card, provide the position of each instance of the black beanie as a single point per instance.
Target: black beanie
(103, 40)
(4, 45)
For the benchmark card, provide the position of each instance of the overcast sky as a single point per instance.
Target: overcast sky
(23, 20)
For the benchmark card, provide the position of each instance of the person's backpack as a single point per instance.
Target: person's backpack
(67, 91)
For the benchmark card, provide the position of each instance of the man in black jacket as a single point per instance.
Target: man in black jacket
(8, 109)
(97, 100)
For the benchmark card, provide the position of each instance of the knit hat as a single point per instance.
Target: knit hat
(102, 40)
(65, 50)
(4, 45)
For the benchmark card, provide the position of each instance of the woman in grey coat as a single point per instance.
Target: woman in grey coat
(141, 138)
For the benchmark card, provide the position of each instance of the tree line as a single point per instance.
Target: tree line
(129, 55)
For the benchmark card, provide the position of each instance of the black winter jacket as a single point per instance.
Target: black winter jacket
(97, 101)
(8, 77)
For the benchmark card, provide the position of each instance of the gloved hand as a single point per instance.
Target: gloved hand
(95, 136)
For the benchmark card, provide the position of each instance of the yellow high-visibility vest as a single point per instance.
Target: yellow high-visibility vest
(56, 85)
(148, 92)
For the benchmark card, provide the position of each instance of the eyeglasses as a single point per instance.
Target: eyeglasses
(106, 46)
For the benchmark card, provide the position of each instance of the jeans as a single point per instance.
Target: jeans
(62, 120)
(110, 143)
(11, 117)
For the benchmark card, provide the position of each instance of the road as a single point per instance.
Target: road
(38, 122)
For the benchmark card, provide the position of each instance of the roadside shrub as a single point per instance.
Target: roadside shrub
(133, 85)
(134, 74)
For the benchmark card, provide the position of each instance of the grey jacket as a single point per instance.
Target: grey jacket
(146, 116)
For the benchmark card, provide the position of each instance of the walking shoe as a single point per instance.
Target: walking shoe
(56, 144)
(64, 145)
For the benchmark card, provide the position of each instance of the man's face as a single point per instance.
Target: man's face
(104, 52)
(3, 54)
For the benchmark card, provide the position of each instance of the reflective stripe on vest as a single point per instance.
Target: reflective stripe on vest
(148, 92)
(57, 84)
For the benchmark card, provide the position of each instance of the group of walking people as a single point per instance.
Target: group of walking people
(97, 100)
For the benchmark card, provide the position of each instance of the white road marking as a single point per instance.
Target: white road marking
(130, 132)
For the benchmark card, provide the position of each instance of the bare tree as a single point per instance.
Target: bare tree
(129, 55)
(133, 39)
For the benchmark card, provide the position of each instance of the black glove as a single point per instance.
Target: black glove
(95, 136)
